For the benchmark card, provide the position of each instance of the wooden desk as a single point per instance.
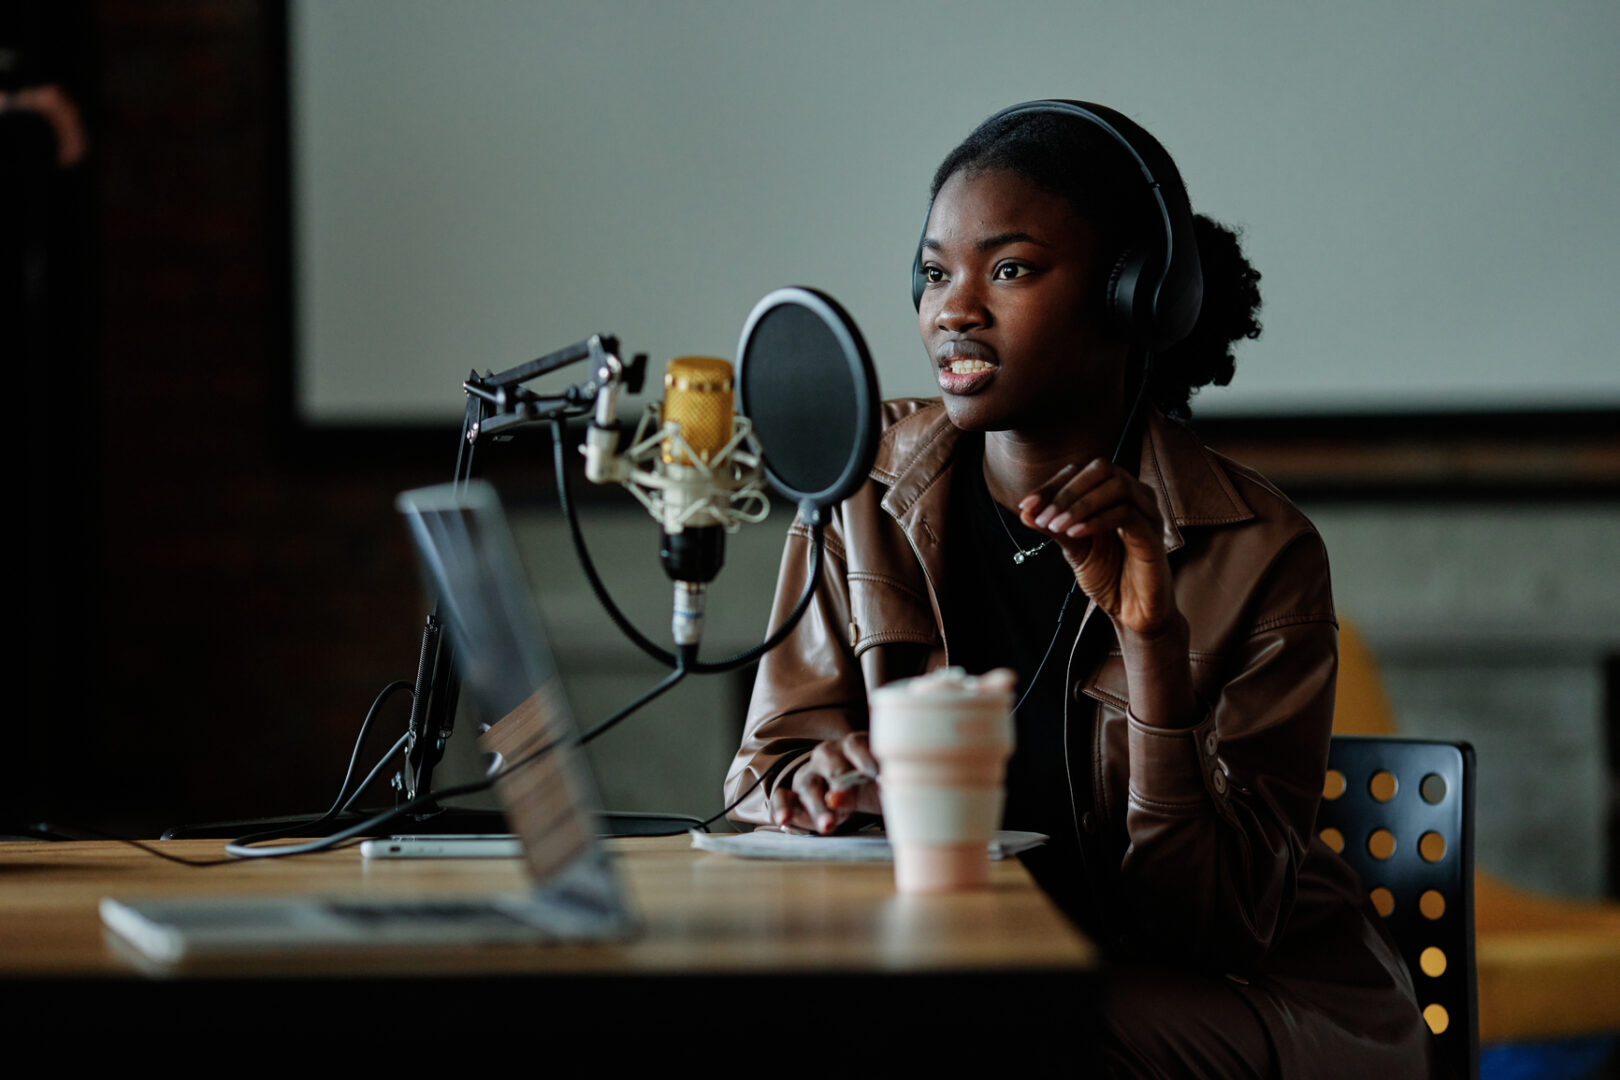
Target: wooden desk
(717, 933)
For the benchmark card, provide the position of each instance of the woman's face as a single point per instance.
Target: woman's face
(1008, 313)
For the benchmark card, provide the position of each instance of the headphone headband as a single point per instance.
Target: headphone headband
(1154, 292)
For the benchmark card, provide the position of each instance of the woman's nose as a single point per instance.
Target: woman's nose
(961, 308)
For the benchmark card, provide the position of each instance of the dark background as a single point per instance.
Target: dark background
(211, 606)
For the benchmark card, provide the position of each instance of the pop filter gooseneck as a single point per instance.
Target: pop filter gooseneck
(806, 381)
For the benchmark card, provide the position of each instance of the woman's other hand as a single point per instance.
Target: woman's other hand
(814, 801)
(1108, 526)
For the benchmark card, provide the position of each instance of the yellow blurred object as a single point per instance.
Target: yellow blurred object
(1361, 705)
(1547, 967)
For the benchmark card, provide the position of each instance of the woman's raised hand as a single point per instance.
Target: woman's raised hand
(838, 780)
(1108, 526)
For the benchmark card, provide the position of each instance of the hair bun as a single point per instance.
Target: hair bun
(1230, 314)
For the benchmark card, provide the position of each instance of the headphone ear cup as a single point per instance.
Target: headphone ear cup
(1125, 296)
(918, 281)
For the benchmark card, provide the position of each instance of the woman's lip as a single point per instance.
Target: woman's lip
(962, 384)
(964, 350)
(965, 353)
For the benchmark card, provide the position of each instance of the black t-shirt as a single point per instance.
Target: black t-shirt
(1001, 613)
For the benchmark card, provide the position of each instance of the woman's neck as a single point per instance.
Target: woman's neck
(1017, 463)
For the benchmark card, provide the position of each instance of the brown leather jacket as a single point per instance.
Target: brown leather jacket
(1198, 843)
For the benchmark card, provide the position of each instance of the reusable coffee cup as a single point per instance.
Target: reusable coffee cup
(942, 742)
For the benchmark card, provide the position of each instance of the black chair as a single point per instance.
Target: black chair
(1401, 813)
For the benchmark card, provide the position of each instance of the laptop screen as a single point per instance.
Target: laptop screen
(509, 676)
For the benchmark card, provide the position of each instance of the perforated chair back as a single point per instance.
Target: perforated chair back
(1401, 813)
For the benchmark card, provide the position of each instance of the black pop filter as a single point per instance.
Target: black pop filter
(805, 379)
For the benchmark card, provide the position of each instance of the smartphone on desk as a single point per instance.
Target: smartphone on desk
(449, 846)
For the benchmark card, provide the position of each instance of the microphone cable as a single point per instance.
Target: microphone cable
(242, 849)
(345, 799)
(729, 807)
(663, 656)
(342, 804)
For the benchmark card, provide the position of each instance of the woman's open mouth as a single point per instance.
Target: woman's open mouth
(965, 375)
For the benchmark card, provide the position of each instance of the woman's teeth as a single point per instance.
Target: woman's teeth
(968, 367)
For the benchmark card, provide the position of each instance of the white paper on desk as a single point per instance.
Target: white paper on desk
(770, 842)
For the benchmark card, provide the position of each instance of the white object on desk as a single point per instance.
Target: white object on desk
(452, 846)
(770, 842)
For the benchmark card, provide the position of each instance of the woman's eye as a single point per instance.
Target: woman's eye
(1010, 271)
(933, 275)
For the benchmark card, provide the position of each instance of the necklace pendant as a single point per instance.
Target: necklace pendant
(1020, 555)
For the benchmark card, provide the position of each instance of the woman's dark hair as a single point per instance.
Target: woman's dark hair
(1067, 156)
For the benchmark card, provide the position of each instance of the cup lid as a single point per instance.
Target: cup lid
(952, 684)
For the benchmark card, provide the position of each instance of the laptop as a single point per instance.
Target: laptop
(509, 677)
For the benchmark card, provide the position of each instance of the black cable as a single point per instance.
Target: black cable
(339, 805)
(47, 827)
(706, 822)
(344, 799)
(749, 790)
(566, 500)
(1050, 645)
(376, 770)
(817, 544)
(685, 653)
(241, 850)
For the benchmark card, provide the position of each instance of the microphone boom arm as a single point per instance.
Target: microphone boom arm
(495, 402)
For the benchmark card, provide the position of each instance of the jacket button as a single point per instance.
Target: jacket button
(1079, 690)
(1218, 778)
(854, 633)
(1210, 743)
(1088, 823)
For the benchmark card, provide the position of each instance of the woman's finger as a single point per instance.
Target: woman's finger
(1073, 479)
(811, 788)
(1122, 518)
(1141, 531)
(1084, 498)
(1089, 493)
(857, 794)
(857, 750)
(1038, 498)
(786, 810)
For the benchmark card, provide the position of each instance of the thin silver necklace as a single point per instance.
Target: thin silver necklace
(1020, 554)
(1023, 554)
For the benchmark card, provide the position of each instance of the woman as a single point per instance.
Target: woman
(1169, 613)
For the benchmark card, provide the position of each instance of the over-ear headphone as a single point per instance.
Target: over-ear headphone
(1155, 289)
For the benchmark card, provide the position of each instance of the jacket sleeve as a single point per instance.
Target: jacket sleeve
(809, 688)
(1219, 816)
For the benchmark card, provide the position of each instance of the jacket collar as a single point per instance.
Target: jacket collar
(1189, 481)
